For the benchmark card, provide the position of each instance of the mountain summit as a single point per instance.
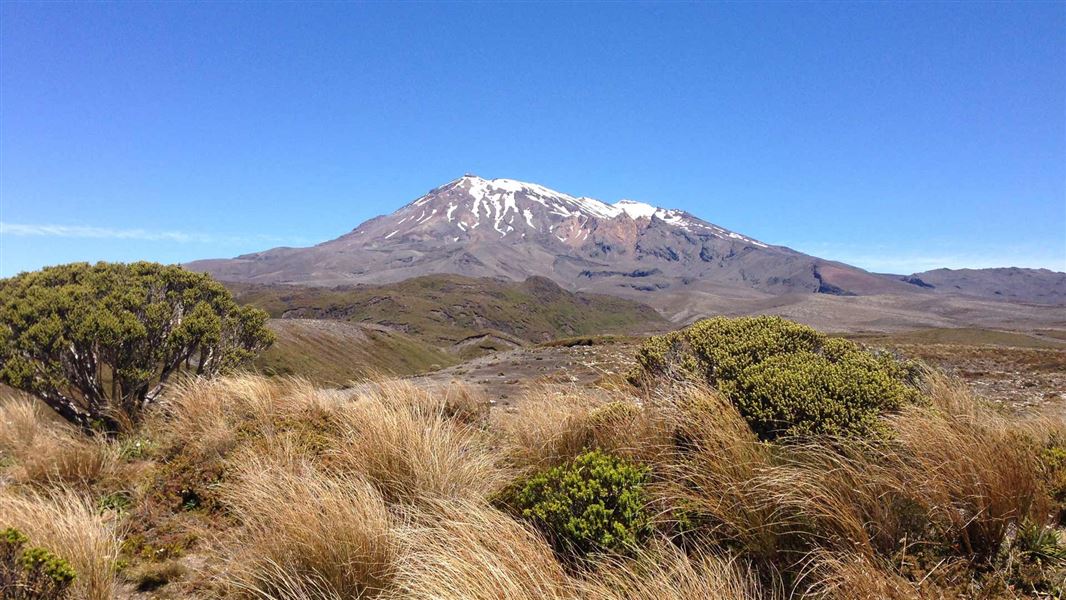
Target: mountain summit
(475, 209)
(513, 229)
(678, 263)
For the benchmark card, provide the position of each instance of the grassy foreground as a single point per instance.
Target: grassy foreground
(248, 487)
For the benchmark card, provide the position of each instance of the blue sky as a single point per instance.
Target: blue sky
(898, 137)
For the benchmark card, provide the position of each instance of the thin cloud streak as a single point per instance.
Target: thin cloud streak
(181, 237)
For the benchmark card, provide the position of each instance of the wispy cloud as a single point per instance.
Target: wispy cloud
(181, 237)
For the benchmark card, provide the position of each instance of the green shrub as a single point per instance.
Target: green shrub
(785, 378)
(809, 394)
(595, 503)
(721, 347)
(31, 573)
(141, 323)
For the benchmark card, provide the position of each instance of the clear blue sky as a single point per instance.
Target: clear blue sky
(897, 137)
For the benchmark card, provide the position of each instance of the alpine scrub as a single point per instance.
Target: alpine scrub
(595, 503)
(98, 343)
(31, 573)
(786, 379)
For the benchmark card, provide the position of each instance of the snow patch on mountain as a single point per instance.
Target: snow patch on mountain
(637, 210)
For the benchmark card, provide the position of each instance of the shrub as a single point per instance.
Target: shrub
(595, 503)
(806, 393)
(31, 573)
(98, 343)
(718, 349)
(785, 378)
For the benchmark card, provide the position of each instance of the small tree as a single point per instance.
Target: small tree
(98, 343)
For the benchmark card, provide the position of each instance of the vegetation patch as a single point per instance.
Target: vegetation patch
(785, 378)
(31, 573)
(595, 503)
(444, 310)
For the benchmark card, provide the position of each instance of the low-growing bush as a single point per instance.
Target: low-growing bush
(785, 378)
(806, 393)
(595, 503)
(718, 349)
(31, 573)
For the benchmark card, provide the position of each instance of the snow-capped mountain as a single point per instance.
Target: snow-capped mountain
(506, 228)
(472, 208)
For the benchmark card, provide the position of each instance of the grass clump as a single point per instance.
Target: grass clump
(595, 503)
(786, 379)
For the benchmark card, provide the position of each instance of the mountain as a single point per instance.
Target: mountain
(511, 229)
(1039, 286)
(683, 266)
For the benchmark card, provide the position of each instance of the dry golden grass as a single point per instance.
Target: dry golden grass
(855, 577)
(467, 550)
(552, 426)
(385, 491)
(978, 473)
(44, 451)
(22, 419)
(300, 529)
(724, 477)
(415, 446)
(207, 418)
(663, 572)
(69, 524)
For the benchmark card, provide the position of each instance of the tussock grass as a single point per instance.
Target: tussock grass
(462, 549)
(856, 577)
(387, 490)
(414, 445)
(664, 572)
(69, 524)
(553, 426)
(301, 529)
(46, 452)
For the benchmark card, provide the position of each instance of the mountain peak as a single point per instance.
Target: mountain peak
(473, 207)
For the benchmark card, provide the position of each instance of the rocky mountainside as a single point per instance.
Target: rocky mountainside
(506, 228)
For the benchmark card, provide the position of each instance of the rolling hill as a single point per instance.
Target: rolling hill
(461, 315)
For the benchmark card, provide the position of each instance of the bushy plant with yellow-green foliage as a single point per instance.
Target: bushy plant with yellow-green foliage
(595, 503)
(785, 378)
(31, 573)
